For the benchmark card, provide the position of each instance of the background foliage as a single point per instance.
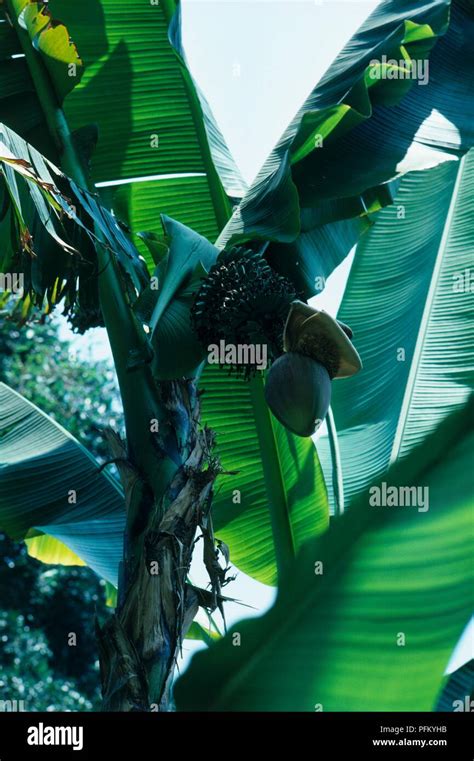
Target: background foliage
(41, 604)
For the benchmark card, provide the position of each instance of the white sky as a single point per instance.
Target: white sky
(257, 60)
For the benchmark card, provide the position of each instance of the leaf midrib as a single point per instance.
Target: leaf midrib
(425, 320)
(274, 479)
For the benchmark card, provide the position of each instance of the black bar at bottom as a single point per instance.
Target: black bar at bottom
(135, 736)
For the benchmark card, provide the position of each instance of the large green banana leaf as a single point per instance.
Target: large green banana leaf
(409, 301)
(313, 199)
(275, 478)
(136, 85)
(20, 103)
(152, 118)
(374, 631)
(49, 483)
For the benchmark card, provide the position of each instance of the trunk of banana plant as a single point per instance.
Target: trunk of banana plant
(140, 644)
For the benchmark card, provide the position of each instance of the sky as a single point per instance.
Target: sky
(256, 61)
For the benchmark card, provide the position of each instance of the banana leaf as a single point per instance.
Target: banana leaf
(50, 484)
(369, 615)
(409, 302)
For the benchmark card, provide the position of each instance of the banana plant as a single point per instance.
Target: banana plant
(155, 259)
